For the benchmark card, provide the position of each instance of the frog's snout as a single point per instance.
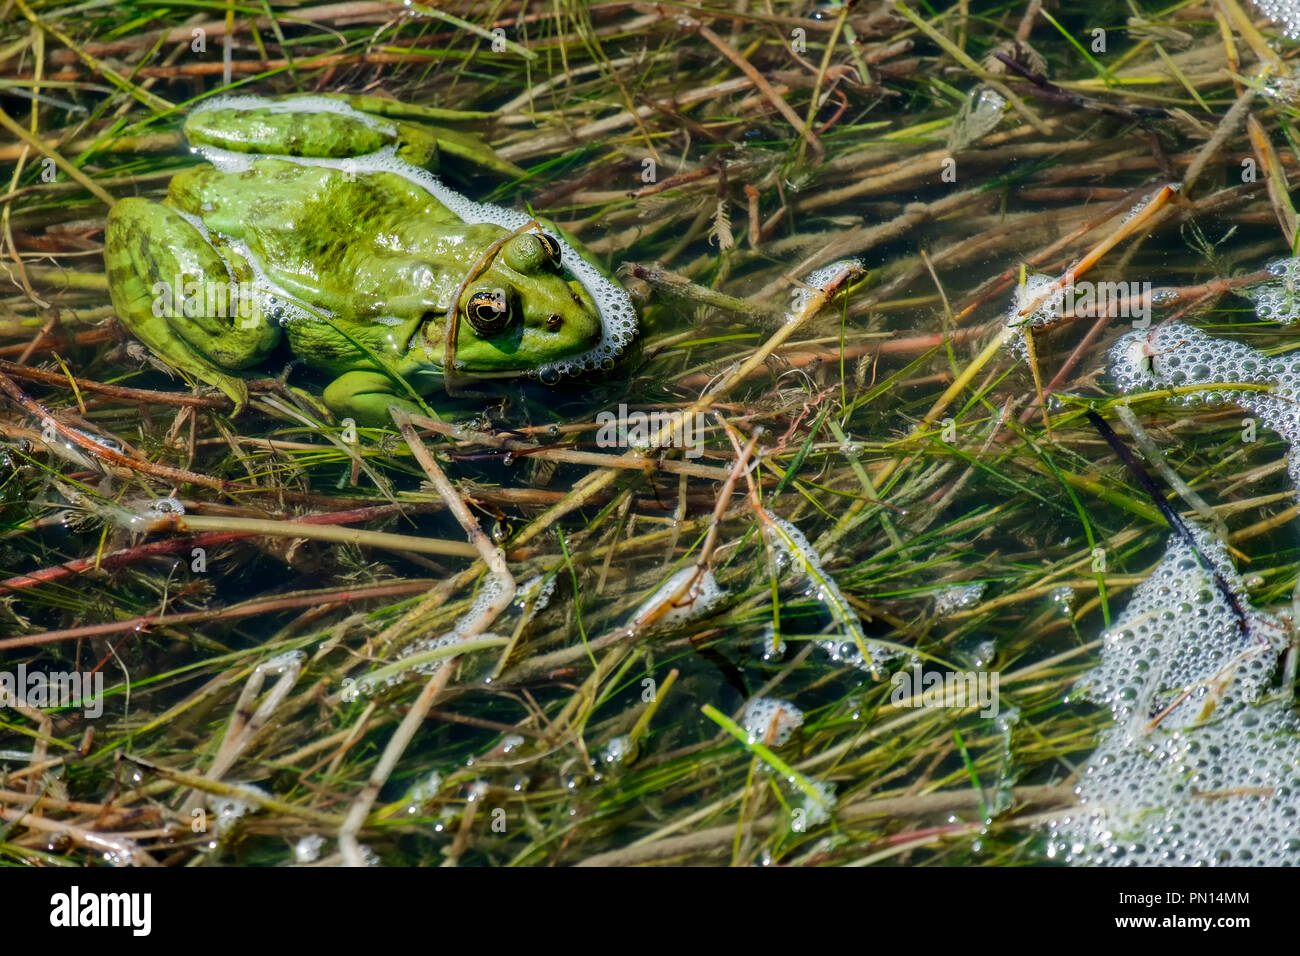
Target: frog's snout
(579, 325)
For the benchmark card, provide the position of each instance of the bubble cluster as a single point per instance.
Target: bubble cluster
(815, 811)
(423, 791)
(1284, 13)
(618, 750)
(795, 554)
(307, 849)
(818, 280)
(1181, 629)
(959, 597)
(618, 316)
(1279, 301)
(772, 646)
(1132, 213)
(165, 507)
(1199, 768)
(370, 684)
(289, 662)
(979, 115)
(1063, 599)
(1171, 355)
(297, 104)
(687, 594)
(770, 721)
(1044, 313)
(537, 589)
(1283, 85)
(228, 808)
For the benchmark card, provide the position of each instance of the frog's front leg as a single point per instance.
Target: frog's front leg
(173, 292)
(366, 397)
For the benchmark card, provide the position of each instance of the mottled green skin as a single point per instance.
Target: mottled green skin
(374, 249)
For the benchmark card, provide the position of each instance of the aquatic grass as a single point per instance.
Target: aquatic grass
(855, 449)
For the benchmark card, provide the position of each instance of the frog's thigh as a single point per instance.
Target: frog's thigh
(366, 397)
(150, 249)
(326, 134)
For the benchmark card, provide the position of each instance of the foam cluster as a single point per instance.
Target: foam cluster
(795, 555)
(1174, 354)
(1146, 200)
(538, 589)
(165, 508)
(1284, 13)
(618, 316)
(689, 593)
(1283, 85)
(619, 750)
(1200, 767)
(979, 115)
(771, 646)
(958, 597)
(1044, 313)
(816, 810)
(817, 281)
(228, 808)
(770, 721)
(307, 849)
(1279, 301)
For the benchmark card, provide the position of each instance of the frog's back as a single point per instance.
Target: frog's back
(318, 204)
(344, 241)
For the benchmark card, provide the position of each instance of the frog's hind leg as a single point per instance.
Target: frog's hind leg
(326, 127)
(173, 292)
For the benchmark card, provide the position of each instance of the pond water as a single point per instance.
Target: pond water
(873, 604)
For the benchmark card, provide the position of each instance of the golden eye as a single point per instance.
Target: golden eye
(551, 247)
(488, 311)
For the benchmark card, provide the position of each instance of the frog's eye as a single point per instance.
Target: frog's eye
(488, 311)
(551, 247)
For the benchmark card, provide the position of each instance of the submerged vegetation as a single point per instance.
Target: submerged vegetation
(882, 253)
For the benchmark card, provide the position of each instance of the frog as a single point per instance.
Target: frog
(320, 220)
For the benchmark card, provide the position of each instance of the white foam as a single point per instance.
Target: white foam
(817, 281)
(229, 808)
(307, 849)
(618, 750)
(770, 721)
(689, 593)
(1046, 312)
(1284, 13)
(1174, 355)
(958, 597)
(795, 553)
(165, 507)
(1200, 766)
(1279, 301)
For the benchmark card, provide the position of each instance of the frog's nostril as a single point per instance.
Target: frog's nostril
(554, 321)
(576, 298)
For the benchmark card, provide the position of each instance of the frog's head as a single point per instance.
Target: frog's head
(521, 312)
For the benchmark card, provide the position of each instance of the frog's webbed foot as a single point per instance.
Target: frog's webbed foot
(326, 127)
(173, 292)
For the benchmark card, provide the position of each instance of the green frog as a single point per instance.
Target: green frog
(318, 219)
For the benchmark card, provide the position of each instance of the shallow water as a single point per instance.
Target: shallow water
(940, 523)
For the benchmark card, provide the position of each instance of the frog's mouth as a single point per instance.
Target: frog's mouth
(617, 314)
